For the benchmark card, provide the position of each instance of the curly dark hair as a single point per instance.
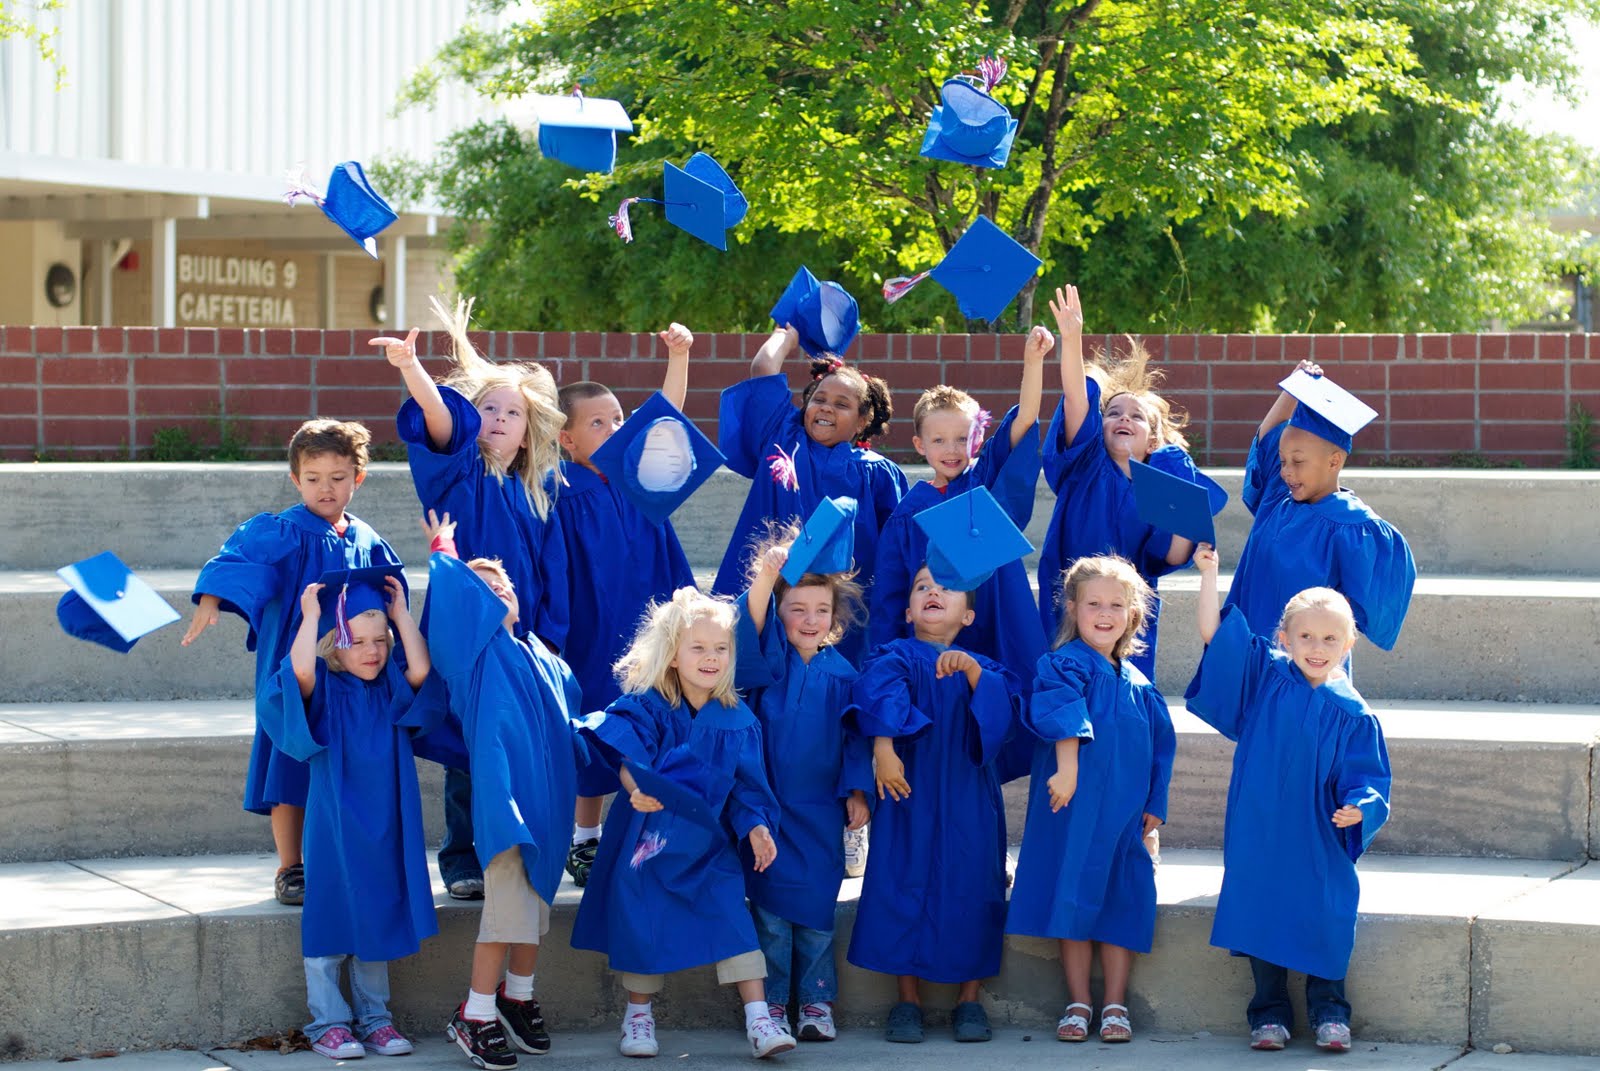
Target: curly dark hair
(876, 401)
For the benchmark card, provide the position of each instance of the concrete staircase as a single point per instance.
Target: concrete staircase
(138, 894)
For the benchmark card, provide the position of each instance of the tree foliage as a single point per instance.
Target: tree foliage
(19, 20)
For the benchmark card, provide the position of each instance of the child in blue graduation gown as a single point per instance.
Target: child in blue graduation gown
(1310, 789)
(259, 575)
(799, 685)
(1097, 431)
(349, 710)
(934, 901)
(482, 448)
(798, 457)
(514, 700)
(1311, 532)
(667, 891)
(950, 435)
(1100, 774)
(602, 529)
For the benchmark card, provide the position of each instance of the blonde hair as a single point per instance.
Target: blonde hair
(540, 454)
(1141, 601)
(495, 566)
(1319, 599)
(1132, 375)
(647, 663)
(849, 600)
(330, 653)
(941, 399)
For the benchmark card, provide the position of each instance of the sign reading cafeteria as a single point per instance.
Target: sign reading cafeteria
(218, 275)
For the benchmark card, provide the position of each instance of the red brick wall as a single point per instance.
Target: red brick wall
(80, 392)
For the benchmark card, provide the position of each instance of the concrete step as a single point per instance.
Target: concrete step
(176, 515)
(152, 952)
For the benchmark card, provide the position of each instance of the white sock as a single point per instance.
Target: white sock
(637, 1009)
(583, 833)
(519, 986)
(756, 1009)
(480, 1006)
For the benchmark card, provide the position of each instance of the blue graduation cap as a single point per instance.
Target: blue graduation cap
(350, 201)
(1326, 409)
(108, 605)
(581, 131)
(1173, 504)
(657, 458)
(685, 785)
(348, 592)
(970, 128)
(985, 269)
(969, 537)
(824, 315)
(1174, 460)
(827, 544)
(699, 197)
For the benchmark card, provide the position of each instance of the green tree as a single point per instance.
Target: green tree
(20, 20)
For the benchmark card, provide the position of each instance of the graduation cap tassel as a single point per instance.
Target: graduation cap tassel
(342, 638)
(620, 223)
(783, 469)
(980, 427)
(897, 288)
(991, 69)
(300, 189)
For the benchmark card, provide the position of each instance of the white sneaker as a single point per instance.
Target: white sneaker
(767, 1038)
(639, 1036)
(780, 1015)
(816, 1022)
(855, 852)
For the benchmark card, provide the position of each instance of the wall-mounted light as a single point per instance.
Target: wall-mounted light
(377, 306)
(60, 285)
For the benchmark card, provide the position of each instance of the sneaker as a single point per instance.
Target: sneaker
(816, 1022)
(387, 1041)
(639, 1036)
(1269, 1037)
(524, 1022)
(767, 1038)
(1334, 1037)
(470, 888)
(971, 1022)
(290, 888)
(337, 1043)
(580, 860)
(855, 852)
(905, 1023)
(484, 1041)
(779, 1014)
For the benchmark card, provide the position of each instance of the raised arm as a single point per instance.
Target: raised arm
(1210, 607)
(1283, 405)
(678, 340)
(1069, 325)
(303, 650)
(761, 587)
(1040, 343)
(402, 353)
(418, 664)
(769, 359)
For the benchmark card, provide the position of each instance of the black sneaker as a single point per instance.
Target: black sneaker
(483, 1042)
(580, 858)
(290, 885)
(524, 1022)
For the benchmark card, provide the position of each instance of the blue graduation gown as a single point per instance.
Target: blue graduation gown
(259, 574)
(1095, 513)
(1083, 873)
(1289, 887)
(513, 699)
(493, 516)
(666, 893)
(367, 888)
(1337, 543)
(618, 561)
(757, 416)
(934, 900)
(1007, 624)
(811, 763)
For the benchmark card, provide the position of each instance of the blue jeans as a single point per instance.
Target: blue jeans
(369, 993)
(791, 950)
(457, 858)
(1325, 1001)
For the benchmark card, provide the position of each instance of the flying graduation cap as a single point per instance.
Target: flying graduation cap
(1173, 504)
(985, 269)
(347, 593)
(969, 537)
(657, 458)
(824, 315)
(1326, 409)
(108, 604)
(581, 131)
(971, 127)
(699, 198)
(350, 201)
(826, 544)
(685, 785)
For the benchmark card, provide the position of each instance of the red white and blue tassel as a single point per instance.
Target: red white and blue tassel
(782, 467)
(980, 427)
(300, 189)
(897, 288)
(991, 69)
(341, 624)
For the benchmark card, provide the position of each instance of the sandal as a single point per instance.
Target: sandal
(1074, 1027)
(1115, 1028)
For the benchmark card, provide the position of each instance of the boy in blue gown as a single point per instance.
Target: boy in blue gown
(259, 575)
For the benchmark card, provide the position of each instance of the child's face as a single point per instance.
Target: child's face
(326, 483)
(1101, 612)
(369, 647)
(936, 613)
(505, 423)
(1309, 465)
(943, 441)
(1126, 426)
(807, 616)
(591, 423)
(834, 414)
(1318, 640)
(704, 657)
(503, 591)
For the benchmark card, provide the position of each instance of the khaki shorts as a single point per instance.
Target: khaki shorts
(512, 912)
(745, 967)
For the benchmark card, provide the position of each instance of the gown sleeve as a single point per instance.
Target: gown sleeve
(1363, 781)
(995, 704)
(288, 719)
(1377, 573)
(751, 802)
(855, 771)
(246, 575)
(435, 732)
(1010, 473)
(1060, 708)
(1230, 674)
(759, 658)
(436, 472)
(1263, 484)
(460, 600)
(627, 730)
(553, 618)
(1062, 457)
(881, 699)
(751, 416)
(889, 486)
(891, 580)
(1163, 749)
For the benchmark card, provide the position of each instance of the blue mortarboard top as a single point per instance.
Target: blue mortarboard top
(970, 128)
(985, 269)
(827, 544)
(108, 605)
(969, 537)
(684, 784)
(355, 206)
(581, 131)
(702, 199)
(1175, 461)
(657, 458)
(1326, 409)
(823, 314)
(362, 589)
(1173, 504)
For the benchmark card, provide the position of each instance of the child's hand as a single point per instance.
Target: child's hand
(952, 662)
(855, 810)
(310, 605)
(1346, 816)
(677, 338)
(763, 847)
(1063, 784)
(435, 526)
(890, 773)
(791, 339)
(402, 352)
(773, 561)
(1151, 822)
(644, 804)
(206, 614)
(1040, 342)
(1067, 311)
(1309, 367)
(1205, 559)
(398, 610)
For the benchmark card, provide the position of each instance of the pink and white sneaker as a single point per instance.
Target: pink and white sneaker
(337, 1043)
(387, 1041)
